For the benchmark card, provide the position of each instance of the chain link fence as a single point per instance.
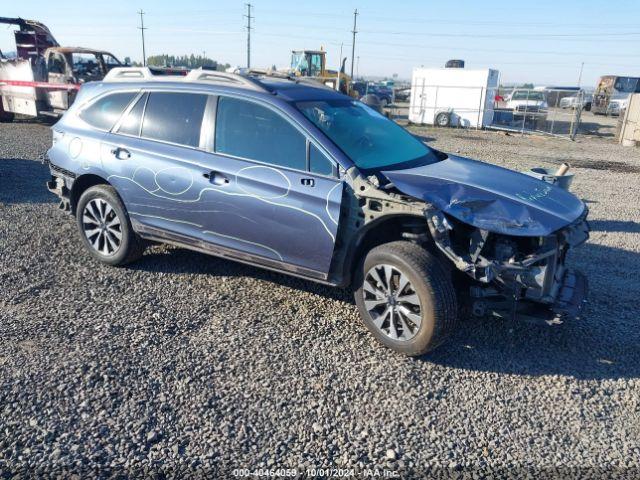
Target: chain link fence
(553, 111)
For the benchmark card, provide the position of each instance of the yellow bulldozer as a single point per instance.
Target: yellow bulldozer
(313, 64)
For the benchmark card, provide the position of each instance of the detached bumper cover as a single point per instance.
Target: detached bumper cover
(60, 185)
(572, 295)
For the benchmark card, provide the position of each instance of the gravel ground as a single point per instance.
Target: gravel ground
(183, 364)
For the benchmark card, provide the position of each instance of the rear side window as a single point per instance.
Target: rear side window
(104, 113)
(174, 117)
(131, 123)
(248, 130)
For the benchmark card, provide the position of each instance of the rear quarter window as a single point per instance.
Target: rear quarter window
(104, 113)
(131, 123)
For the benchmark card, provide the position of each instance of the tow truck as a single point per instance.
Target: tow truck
(43, 78)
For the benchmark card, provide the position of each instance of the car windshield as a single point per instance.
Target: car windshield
(369, 139)
(626, 84)
(527, 95)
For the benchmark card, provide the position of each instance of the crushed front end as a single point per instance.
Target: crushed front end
(515, 276)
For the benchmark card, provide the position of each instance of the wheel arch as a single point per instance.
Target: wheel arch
(81, 184)
(384, 229)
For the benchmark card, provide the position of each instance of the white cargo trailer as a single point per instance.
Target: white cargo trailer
(453, 97)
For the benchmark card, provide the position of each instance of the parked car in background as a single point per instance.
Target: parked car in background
(617, 104)
(360, 88)
(403, 94)
(581, 98)
(528, 105)
(301, 179)
(385, 94)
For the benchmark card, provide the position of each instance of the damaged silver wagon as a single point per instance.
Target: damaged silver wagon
(297, 178)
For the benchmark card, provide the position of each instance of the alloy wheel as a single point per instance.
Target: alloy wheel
(392, 302)
(102, 226)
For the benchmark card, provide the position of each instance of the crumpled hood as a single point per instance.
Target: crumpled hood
(490, 197)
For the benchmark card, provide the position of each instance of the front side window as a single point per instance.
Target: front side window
(318, 162)
(248, 130)
(55, 64)
(104, 113)
(174, 117)
(369, 139)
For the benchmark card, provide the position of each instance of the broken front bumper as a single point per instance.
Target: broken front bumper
(537, 285)
(569, 303)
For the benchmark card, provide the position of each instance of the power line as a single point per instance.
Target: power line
(506, 35)
(353, 44)
(249, 17)
(450, 47)
(142, 28)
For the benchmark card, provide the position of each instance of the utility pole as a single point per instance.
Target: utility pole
(353, 44)
(249, 17)
(580, 76)
(340, 72)
(142, 29)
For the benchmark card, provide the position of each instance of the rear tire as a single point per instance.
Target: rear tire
(416, 310)
(105, 228)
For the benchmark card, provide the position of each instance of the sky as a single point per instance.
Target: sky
(543, 42)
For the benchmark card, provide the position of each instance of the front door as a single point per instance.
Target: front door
(269, 201)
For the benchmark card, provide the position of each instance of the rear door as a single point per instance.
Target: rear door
(277, 192)
(155, 162)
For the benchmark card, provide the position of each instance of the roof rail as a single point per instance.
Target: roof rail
(225, 78)
(118, 74)
(250, 79)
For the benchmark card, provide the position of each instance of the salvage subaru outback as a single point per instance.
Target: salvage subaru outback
(295, 177)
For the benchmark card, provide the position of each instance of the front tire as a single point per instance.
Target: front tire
(443, 119)
(105, 227)
(406, 298)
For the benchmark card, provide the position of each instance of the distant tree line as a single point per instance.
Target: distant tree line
(188, 61)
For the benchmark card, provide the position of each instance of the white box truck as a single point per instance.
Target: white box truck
(453, 97)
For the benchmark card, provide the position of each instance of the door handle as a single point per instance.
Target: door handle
(216, 178)
(308, 182)
(121, 153)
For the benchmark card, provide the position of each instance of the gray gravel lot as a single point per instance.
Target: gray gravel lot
(190, 365)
